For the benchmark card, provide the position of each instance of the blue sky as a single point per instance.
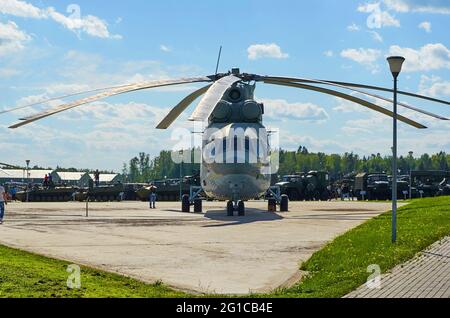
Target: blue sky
(49, 48)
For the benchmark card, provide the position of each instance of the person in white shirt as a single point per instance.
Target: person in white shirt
(3, 201)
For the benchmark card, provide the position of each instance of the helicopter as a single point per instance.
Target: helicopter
(235, 164)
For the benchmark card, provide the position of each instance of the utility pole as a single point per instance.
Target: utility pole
(28, 178)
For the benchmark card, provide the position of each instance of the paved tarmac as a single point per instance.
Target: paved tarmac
(206, 252)
(425, 276)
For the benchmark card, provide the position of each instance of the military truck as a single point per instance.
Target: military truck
(427, 182)
(306, 186)
(316, 186)
(402, 187)
(372, 186)
(47, 194)
(169, 189)
(293, 186)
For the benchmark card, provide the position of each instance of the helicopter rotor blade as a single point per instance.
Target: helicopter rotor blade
(350, 98)
(177, 110)
(62, 97)
(212, 97)
(304, 80)
(367, 94)
(121, 90)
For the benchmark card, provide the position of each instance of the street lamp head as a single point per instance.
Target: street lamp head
(395, 63)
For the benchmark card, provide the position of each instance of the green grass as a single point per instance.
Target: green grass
(341, 266)
(27, 275)
(337, 269)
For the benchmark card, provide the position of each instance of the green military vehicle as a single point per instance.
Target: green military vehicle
(130, 191)
(402, 187)
(444, 187)
(293, 186)
(306, 186)
(169, 189)
(102, 193)
(372, 186)
(316, 186)
(428, 182)
(47, 194)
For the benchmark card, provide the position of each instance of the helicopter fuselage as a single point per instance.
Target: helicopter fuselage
(235, 163)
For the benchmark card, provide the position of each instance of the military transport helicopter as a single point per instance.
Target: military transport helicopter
(228, 105)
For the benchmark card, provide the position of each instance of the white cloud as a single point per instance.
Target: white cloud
(426, 26)
(89, 24)
(165, 48)
(20, 9)
(434, 86)
(77, 23)
(361, 55)
(420, 6)
(270, 50)
(12, 39)
(429, 57)
(328, 53)
(353, 27)
(346, 106)
(376, 36)
(378, 18)
(397, 5)
(283, 110)
(366, 57)
(8, 72)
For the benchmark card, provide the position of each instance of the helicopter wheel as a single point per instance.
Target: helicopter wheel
(185, 203)
(241, 208)
(198, 206)
(284, 204)
(230, 208)
(272, 205)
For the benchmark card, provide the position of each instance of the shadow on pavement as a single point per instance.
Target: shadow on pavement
(251, 216)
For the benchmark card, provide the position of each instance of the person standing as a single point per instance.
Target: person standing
(3, 202)
(97, 178)
(152, 197)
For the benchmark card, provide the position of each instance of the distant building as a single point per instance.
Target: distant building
(20, 175)
(106, 178)
(67, 178)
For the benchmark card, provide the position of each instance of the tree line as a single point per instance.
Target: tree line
(143, 168)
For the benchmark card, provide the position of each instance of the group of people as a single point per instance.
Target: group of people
(344, 191)
(48, 181)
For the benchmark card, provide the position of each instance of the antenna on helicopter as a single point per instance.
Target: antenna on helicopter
(218, 59)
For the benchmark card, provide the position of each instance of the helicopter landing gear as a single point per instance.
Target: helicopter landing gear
(284, 203)
(185, 203)
(194, 199)
(198, 206)
(239, 207)
(276, 198)
(230, 208)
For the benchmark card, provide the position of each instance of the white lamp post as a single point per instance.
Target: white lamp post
(395, 64)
